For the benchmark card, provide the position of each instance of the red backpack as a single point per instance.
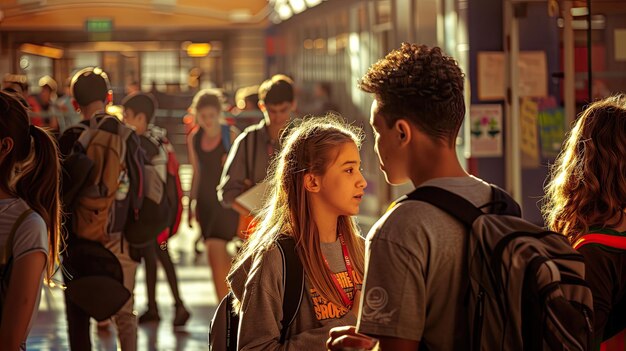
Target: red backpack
(174, 192)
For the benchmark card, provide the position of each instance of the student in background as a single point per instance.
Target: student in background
(585, 201)
(316, 187)
(208, 147)
(139, 112)
(30, 219)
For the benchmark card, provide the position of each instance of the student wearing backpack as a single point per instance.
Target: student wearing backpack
(316, 186)
(416, 274)
(250, 156)
(585, 201)
(102, 192)
(208, 148)
(139, 109)
(30, 219)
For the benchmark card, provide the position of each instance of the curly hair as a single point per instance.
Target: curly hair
(588, 180)
(421, 84)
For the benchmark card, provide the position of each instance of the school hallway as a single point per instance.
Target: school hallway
(49, 331)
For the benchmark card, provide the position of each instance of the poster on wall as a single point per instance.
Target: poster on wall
(532, 70)
(486, 130)
(529, 143)
(491, 77)
(551, 131)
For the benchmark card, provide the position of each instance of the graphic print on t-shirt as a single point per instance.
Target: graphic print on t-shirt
(327, 310)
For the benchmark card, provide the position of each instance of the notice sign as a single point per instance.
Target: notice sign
(551, 131)
(528, 133)
(486, 130)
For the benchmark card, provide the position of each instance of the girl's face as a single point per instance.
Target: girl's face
(341, 187)
(208, 118)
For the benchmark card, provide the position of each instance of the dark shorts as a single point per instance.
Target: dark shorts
(217, 222)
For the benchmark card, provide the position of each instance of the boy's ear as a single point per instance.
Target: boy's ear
(403, 131)
(311, 183)
(75, 104)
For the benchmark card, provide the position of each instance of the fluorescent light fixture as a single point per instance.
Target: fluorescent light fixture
(39, 50)
(597, 22)
(284, 11)
(319, 43)
(311, 3)
(198, 49)
(579, 11)
(240, 15)
(298, 6)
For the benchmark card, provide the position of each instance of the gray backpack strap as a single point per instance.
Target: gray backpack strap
(293, 281)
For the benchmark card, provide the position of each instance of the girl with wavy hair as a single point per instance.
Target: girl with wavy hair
(29, 218)
(315, 188)
(586, 199)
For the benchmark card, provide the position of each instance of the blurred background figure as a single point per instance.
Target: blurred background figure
(68, 116)
(48, 115)
(246, 111)
(208, 147)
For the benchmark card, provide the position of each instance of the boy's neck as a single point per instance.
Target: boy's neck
(274, 131)
(438, 163)
(91, 109)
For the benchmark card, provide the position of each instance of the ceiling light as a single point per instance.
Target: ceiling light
(284, 11)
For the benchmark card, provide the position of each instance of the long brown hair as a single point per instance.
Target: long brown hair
(588, 180)
(31, 171)
(309, 147)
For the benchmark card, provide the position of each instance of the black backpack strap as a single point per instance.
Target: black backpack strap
(293, 281)
(232, 322)
(502, 203)
(455, 205)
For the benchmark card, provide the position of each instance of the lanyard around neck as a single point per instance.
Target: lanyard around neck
(346, 257)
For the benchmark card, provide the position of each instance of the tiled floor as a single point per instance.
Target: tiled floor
(49, 332)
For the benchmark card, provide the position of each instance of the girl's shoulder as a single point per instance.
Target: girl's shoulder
(270, 257)
(30, 234)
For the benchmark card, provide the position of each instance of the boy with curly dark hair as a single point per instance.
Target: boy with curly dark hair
(416, 276)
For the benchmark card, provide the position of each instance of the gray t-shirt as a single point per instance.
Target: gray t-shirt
(259, 326)
(31, 236)
(416, 272)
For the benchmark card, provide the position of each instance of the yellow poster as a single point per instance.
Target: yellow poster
(529, 144)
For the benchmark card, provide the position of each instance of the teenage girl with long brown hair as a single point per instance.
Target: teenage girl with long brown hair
(316, 186)
(29, 218)
(586, 199)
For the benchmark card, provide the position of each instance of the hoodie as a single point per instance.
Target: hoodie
(258, 285)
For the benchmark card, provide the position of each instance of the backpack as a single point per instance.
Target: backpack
(225, 323)
(6, 263)
(105, 166)
(94, 279)
(615, 242)
(159, 208)
(174, 192)
(526, 289)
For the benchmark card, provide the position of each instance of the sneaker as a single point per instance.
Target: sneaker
(181, 317)
(149, 316)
